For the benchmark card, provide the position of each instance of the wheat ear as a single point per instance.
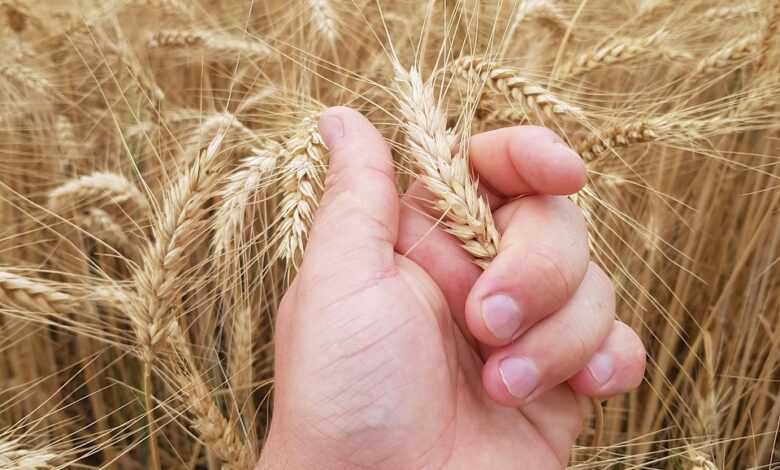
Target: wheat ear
(26, 77)
(14, 456)
(158, 279)
(98, 190)
(448, 177)
(619, 51)
(729, 55)
(324, 19)
(24, 292)
(169, 6)
(238, 194)
(216, 43)
(183, 218)
(219, 434)
(507, 82)
(301, 185)
(731, 12)
(542, 10)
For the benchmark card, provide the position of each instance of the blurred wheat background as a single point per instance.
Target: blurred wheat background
(160, 165)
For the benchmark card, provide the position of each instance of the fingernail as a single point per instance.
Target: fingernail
(601, 367)
(520, 376)
(331, 128)
(501, 315)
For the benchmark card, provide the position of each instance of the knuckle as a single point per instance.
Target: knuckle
(603, 289)
(548, 269)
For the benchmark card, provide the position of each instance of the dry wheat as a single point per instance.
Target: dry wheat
(730, 12)
(728, 56)
(215, 43)
(324, 19)
(446, 176)
(301, 185)
(98, 190)
(533, 99)
(619, 51)
(13, 456)
(26, 293)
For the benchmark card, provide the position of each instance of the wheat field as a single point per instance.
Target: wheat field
(160, 165)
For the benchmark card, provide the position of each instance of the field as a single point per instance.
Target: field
(160, 165)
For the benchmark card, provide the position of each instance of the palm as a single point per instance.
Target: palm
(414, 391)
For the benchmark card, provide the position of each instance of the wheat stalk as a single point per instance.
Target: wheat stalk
(446, 176)
(217, 43)
(301, 185)
(508, 83)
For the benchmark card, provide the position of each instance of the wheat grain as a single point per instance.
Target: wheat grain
(446, 176)
(215, 43)
(508, 83)
(301, 185)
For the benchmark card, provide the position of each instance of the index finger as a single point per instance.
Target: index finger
(521, 160)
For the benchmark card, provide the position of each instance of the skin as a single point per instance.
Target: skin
(384, 355)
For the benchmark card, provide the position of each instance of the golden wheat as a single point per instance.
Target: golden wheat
(446, 176)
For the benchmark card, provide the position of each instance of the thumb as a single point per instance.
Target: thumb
(357, 221)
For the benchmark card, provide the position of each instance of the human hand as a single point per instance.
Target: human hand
(393, 350)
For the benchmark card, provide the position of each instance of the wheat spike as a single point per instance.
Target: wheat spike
(26, 77)
(14, 457)
(301, 184)
(216, 43)
(324, 18)
(27, 293)
(240, 191)
(730, 12)
(507, 82)
(617, 52)
(169, 6)
(541, 10)
(183, 218)
(446, 176)
(98, 190)
(219, 435)
(729, 55)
